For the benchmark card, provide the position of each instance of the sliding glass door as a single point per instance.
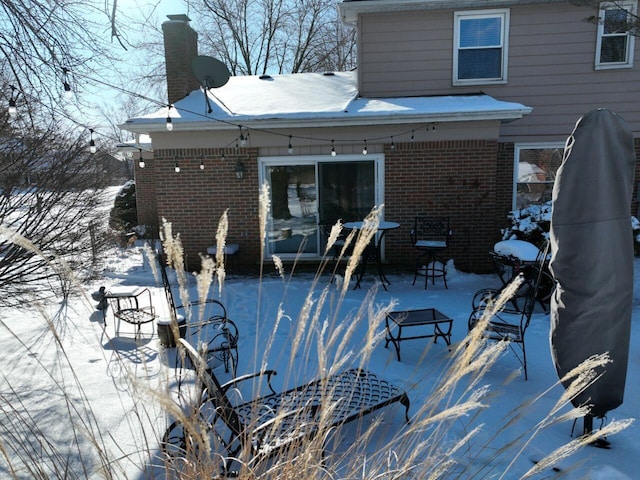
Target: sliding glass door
(311, 192)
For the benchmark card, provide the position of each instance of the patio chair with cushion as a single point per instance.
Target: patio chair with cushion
(276, 423)
(430, 236)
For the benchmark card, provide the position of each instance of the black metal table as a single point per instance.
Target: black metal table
(374, 250)
(397, 321)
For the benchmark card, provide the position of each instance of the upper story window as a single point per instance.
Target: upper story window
(614, 48)
(480, 47)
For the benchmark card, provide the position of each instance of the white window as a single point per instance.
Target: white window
(615, 43)
(480, 47)
(535, 170)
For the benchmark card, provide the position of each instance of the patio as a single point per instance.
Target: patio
(267, 339)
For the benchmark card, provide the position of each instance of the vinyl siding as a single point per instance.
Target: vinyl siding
(550, 68)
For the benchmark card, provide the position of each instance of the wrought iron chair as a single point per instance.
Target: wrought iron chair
(431, 236)
(510, 324)
(206, 321)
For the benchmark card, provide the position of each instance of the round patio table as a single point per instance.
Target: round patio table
(373, 250)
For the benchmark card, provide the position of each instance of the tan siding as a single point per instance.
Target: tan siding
(551, 66)
(420, 43)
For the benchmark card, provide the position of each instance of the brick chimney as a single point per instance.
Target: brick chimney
(180, 47)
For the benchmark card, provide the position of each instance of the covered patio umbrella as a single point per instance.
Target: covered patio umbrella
(592, 257)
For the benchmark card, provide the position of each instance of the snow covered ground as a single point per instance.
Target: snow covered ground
(110, 387)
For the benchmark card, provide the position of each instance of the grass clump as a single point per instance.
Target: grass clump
(445, 438)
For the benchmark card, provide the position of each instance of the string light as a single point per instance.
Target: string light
(290, 147)
(141, 160)
(65, 83)
(13, 109)
(169, 121)
(177, 167)
(202, 164)
(92, 143)
(13, 112)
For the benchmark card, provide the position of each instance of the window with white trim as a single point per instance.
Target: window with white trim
(480, 47)
(535, 170)
(614, 48)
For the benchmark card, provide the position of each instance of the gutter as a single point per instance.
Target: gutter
(159, 125)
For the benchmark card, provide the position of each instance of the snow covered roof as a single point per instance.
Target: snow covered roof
(315, 99)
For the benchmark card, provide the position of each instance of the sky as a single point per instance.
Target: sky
(116, 373)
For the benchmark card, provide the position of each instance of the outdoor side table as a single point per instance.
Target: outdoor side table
(397, 322)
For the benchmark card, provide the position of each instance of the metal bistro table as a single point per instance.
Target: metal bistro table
(414, 318)
(373, 252)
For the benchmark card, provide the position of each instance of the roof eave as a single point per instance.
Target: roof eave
(159, 125)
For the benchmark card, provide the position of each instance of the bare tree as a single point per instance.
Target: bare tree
(50, 188)
(50, 185)
(629, 22)
(255, 37)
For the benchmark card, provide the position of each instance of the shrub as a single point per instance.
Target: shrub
(533, 223)
(530, 224)
(124, 214)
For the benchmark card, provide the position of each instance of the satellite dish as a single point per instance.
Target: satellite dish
(210, 72)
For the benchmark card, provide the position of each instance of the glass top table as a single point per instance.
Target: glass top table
(397, 321)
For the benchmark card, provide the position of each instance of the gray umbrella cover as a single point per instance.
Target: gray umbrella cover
(592, 255)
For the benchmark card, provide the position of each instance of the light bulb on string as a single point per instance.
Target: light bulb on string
(243, 140)
(202, 164)
(68, 93)
(393, 145)
(412, 135)
(290, 147)
(13, 109)
(169, 120)
(333, 149)
(177, 167)
(92, 143)
(364, 149)
(140, 159)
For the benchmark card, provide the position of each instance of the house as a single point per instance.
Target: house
(453, 106)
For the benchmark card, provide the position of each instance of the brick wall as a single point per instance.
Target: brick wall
(443, 178)
(194, 199)
(470, 181)
(146, 193)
